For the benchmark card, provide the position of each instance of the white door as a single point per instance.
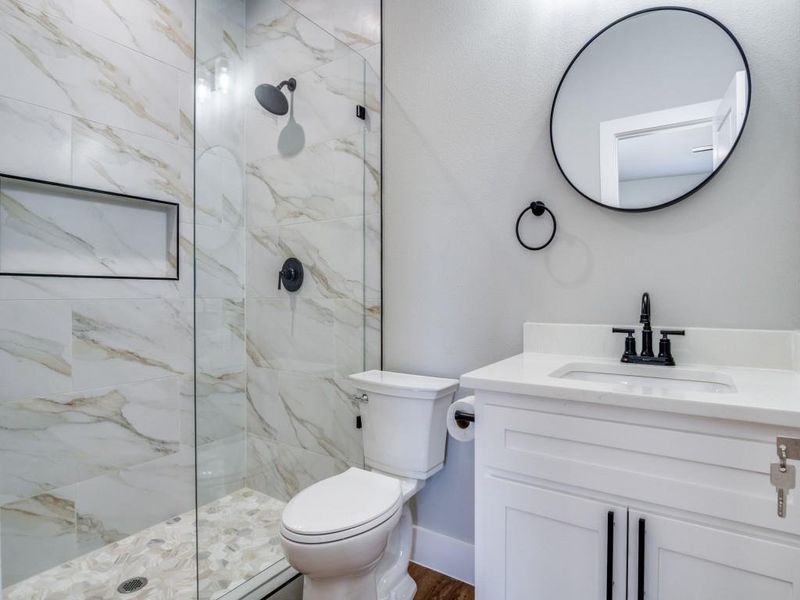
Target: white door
(685, 561)
(536, 544)
(729, 117)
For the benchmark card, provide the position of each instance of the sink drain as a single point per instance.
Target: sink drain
(134, 584)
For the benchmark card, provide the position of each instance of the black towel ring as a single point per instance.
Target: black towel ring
(538, 209)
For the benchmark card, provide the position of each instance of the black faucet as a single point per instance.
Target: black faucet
(647, 332)
(646, 357)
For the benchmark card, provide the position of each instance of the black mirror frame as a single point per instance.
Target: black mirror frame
(713, 173)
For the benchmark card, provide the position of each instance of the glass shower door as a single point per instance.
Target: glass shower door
(274, 409)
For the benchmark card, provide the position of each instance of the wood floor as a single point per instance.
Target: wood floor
(435, 586)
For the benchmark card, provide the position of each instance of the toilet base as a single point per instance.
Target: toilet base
(394, 582)
(386, 579)
(361, 587)
(405, 589)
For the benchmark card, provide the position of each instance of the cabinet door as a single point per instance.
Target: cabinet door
(536, 544)
(669, 559)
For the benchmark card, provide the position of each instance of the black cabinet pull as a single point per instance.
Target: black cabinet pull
(610, 557)
(640, 590)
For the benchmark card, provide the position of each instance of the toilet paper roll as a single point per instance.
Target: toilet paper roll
(462, 434)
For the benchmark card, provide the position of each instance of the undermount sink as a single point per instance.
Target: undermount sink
(656, 378)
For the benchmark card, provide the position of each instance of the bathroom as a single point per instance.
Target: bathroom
(244, 243)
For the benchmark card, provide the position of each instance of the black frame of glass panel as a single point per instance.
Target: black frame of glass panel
(78, 188)
(738, 137)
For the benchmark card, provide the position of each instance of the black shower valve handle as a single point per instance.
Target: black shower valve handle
(289, 274)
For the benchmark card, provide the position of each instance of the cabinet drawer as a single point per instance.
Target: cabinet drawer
(720, 474)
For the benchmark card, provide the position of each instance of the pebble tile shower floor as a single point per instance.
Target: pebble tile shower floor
(239, 538)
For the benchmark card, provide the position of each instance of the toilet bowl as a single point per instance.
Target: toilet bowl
(350, 535)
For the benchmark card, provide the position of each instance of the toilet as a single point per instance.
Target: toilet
(350, 535)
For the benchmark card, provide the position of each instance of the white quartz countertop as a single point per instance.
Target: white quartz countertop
(768, 396)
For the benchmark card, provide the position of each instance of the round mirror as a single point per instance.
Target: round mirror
(650, 109)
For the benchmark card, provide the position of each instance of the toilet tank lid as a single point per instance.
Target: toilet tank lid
(403, 384)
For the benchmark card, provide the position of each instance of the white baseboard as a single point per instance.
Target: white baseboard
(444, 554)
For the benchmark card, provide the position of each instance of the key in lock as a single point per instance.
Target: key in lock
(784, 478)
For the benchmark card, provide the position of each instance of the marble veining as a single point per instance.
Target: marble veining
(282, 470)
(312, 181)
(326, 181)
(114, 506)
(75, 71)
(133, 424)
(130, 340)
(333, 261)
(220, 405)
(94, 427)
(220, 188)
(89, 235)
(108, 158)
(356, 22)
(36, 141)
(314, 413)
(238, 538)
(161, 29)
(220, 333)
(38, 533)
(220, 258)
(35, 347)
(294, 334)
(274, 29)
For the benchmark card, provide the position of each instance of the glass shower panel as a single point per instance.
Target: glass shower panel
(274, 409)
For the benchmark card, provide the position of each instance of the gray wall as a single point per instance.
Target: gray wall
(468, 89)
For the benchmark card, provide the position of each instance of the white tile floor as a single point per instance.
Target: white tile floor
(238, 537)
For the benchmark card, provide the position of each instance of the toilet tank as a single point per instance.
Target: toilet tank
(404, 421)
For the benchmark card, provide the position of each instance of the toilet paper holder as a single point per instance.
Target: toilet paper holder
(463, 419)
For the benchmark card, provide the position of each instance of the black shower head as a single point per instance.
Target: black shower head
(272, 98)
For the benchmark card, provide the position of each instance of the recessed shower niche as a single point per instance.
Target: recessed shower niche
(66, 231)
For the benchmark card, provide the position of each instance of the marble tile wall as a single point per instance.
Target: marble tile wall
(313, 191)
(95, 443)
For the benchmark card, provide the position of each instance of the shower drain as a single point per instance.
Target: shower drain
(134, 584)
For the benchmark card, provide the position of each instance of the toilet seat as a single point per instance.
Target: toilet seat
(341, 507)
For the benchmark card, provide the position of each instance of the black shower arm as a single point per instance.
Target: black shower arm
(291, 83)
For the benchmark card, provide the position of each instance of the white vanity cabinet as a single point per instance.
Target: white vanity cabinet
(536, 543)
(564, 488)
(681, 559)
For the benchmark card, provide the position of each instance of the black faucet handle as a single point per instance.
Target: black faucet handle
(665, 347)
(630, 342)
(667, 332)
